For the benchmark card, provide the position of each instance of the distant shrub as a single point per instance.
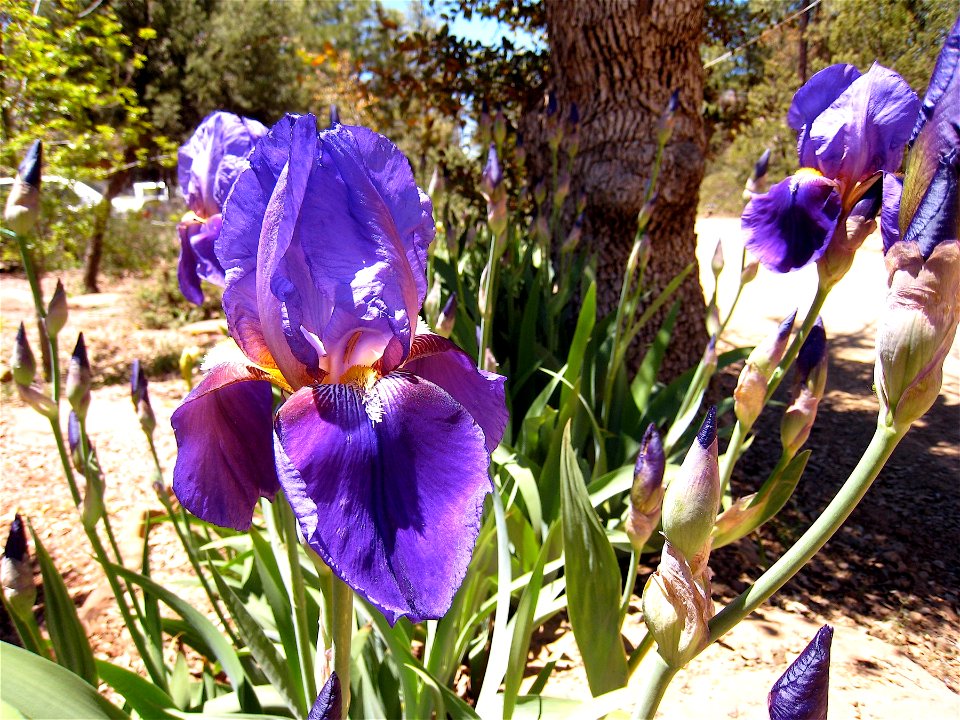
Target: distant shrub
(159, 303)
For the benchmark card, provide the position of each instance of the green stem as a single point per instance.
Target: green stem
(884, 441)
(486, 312)
(628, 586)
(639, 653)
(653, 688)
(298, 599)
(342, 638)
(31, 273)
(730, 460)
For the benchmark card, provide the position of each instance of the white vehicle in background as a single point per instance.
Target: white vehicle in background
(77, 195)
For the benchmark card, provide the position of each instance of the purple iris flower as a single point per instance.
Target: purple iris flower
(207, 166)
(849, 127)
(383, 445)
(801, 692)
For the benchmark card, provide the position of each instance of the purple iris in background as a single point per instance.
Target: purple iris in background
(849, 126)
(801, 693)
(383, 445)
(207, 166)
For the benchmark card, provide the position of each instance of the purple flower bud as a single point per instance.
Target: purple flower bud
(448, 316)
(668, 119)
(813, 354)
(563, 189)
(748, 398)
(692, 497)
(334, 115)
(57, 311)
(492, 173)
(802, 691)
(23, 202)
(808, 387)
(540, 192)
(761, 166)
(716, 262)
(141, 398)
(329, 703)
(550, 101)
(573, 238)
(79, 379)
(646, 212)
(73, 440)
(574, 117)
(750, 268)
(499, 127)
(23, 364)
(646, 494)
(16, 571)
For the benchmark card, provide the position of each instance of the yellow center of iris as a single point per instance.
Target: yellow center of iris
(363, 377)
(808, 172)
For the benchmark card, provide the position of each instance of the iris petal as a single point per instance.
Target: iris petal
(815, 96)
(802, 691)
(481, 393)
(866, 128)
(890, 211)
(790, 225)
(224, 431)
(198, 261)
(388, 485)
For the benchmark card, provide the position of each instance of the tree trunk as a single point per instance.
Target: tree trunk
(94, 251)
(619, 61)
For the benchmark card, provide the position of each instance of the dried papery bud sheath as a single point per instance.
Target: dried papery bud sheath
(79, 379)
(23, 364)
(692, 498)
(646, 493)
(448, 316)
(57, 311)
(808, 388)
(16, 570)
(677, 608)
(748, 397)
(801, 693)
(329, 703)
(23, 202)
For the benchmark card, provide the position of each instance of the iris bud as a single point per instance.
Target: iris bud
(38, 401)
(499, 127)
(801, 693)
(79, 379)
(756, 183)
(668, 119)
(861, 222)
(540, 192)
(646, 212)
(646, 494)
(93, 508)
(57, 311)
(329, 703)
(809, 385)
(448, 316)
(713, 319)
(563, 189)
(692, 498)
(141, 399)
(24, 365)
(483, 124)
(16, 571)
(750, 269)
(573, 238)
(334, 115)
(677, 608)
(73, 440)
(748, 398)
(716, 263)
(491, 185)
(436, 183)
(23, 202)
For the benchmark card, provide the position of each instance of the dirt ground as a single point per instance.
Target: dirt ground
(888, 581)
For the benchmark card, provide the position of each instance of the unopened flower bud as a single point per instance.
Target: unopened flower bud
(79, 379)
(716, 262)
(540, 192)
(329, 703)
(483, 124)
(644, 251)
(573, 238)
(692, 498)
(808, 388)
(436, 183)
(861, 222)
(23, 202)
(448, 316)
(756, 184)
(750, 268)
(677, 608)
(802, 691)
(492, 175)
(563, 189)
(24, 365)
(141, 398)
(668, 119)
(499, 127)
(57, 311)
(712, 321)
(334, 115)
(93, 508)
(646, 212)
(73, 441)
(646, 494)
(17, 571)
(38, 401)
(748, 398)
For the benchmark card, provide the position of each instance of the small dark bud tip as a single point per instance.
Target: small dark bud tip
(708, 431)
(16, 548)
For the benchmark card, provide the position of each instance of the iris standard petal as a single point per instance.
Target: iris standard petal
(259, 221)
(206, 163)
(198, 261)
(865, 129)
(388, 484)
(815, 96)
(890, 210)
(481, 393)
(224, 432)
(790, 225)
(366, 229)
(943, 89)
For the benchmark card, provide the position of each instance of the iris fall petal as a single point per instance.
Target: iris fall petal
(198, 261)
(388, 483)
(224, 448)
(790, 225)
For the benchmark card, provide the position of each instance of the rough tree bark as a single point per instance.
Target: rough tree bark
(94, 251)
(620, 60)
